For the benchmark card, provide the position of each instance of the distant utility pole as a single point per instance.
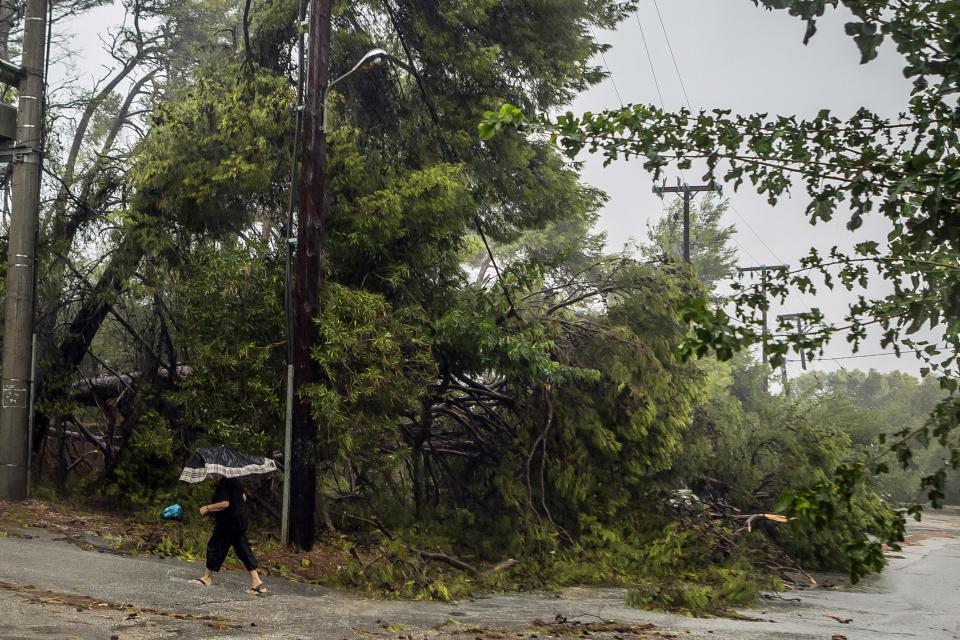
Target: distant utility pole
(798, 319)
(687, 191)
(308, 273)
(17, 375)
(764, 269)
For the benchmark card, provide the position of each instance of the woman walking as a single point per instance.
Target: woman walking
(224, 465)
(230, 530)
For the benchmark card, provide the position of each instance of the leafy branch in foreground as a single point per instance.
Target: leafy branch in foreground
(905, 169)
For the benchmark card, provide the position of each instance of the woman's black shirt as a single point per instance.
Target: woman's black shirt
(234, 517)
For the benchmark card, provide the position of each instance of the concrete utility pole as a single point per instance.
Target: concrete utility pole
(17, 380)
(687, 192)
(764, 269)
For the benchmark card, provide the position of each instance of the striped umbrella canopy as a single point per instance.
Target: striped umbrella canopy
(225, 461)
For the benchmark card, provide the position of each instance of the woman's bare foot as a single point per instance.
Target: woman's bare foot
(203, 581)
(257, 590)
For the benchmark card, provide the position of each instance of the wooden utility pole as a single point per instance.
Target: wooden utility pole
(289, 245)
(308, 275)
(763, 269)
(17, 376)
(687, 192)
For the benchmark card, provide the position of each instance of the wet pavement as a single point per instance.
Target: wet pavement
(53, 589)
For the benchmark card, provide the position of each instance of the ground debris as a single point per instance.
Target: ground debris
(575, 628)
(839, 619)
(559, 628)
(81, 603)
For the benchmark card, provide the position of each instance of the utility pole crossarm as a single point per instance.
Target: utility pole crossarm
(687, 191)
(764, 268)
(687, 187)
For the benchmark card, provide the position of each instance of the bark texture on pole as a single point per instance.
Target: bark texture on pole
(308, 275)
(19, 303)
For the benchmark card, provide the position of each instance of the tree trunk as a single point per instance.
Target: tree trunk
(419, 476)
(84, 327)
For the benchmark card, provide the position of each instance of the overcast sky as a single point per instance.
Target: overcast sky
(730, 54)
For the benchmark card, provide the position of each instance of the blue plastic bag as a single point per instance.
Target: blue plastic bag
(173, 512)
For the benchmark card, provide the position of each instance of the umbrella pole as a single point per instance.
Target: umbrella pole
(287, 454)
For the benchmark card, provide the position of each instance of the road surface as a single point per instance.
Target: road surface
(53, 589)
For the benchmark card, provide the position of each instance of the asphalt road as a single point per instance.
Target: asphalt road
(53, 589)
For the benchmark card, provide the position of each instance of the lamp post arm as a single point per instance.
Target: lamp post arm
(373, 55)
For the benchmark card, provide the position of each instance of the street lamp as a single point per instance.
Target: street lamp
(370, 58)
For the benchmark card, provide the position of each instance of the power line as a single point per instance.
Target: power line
(610, 76)
(868, 355)
(773, 253)
(672, 56)
(686, 97)
(653, 71)
(742, 248)
(753, 231)
(656, 82)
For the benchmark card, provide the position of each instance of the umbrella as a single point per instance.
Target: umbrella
(225, 461)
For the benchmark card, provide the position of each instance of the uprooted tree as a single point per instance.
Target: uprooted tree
(904, 169)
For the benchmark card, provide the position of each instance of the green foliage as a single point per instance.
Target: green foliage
(217, 150)
(543, 408)
(393, 229)
(147, 472)
(680, 572)
(397, 572)
(376, 362)
(710, 253)
(755, 452)
(230, 329)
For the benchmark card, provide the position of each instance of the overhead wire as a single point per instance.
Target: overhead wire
(776, 257)
(672, 56)
(733, 207)
(867, 355)
(754, 232)
(656, 83)
(610, 77)
(686, 98)
(653, 70)
(730, 202)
